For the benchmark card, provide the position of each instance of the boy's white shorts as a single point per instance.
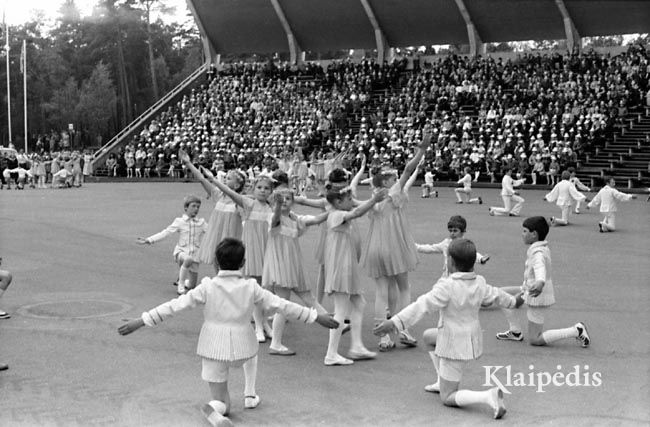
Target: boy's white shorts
(216, 371)
(452, 370)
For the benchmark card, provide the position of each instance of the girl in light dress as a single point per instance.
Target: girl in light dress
(226, 219)
(342, 277)
(256, 214)
(283, 270)
(389, 252)
(338, 177)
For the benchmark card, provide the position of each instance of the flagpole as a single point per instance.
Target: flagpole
(24, 59)
(8, 80)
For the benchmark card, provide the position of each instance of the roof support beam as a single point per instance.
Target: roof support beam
(476, 45)
(573, 39)
(383, 49)
(209, 52)
(295, 52)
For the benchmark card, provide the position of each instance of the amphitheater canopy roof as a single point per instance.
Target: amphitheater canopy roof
(254, 26)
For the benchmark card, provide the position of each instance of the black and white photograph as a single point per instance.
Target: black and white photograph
(332, 213)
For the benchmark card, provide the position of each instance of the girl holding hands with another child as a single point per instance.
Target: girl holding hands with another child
(342, 278)
(389, 252)
(283, 270)
(225, 220)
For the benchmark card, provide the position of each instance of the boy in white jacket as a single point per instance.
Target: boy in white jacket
(458, 298)
(227, 339)
(509, 195)
(564, 193)
(607, 198)
(538, 292)
(191, 231)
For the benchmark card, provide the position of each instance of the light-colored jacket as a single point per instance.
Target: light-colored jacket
(607, 197)
(508, 184)
(458, 298)
(564, 193)
(538, 267)
(228, 302)
(441, 248)
(191, 232)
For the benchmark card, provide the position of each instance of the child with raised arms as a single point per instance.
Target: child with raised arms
(538, 292)
(225, 219)
(458, 298)
(283, 270)
(256, 214)
(191, 231)
(227, 339)
(336, 177)
(564, 193)
(607, 198)
(342, 277)
(464, 195)
(389, 251)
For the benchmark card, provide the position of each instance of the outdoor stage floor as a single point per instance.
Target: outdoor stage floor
(78, 272)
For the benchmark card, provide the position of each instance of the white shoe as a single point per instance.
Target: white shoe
(214, 417)
(260, 336)
(251, 402)
(433, 388)
(337, 360)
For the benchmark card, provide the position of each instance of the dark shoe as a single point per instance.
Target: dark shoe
(583, 335)
(510, 336)
(3, 366)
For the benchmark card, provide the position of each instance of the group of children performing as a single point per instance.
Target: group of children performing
(253, 241)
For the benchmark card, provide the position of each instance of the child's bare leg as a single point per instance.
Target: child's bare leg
(341, 311)
(308, 299)
(262, 327)
(320, 284)
(216, 410)
(279, 322)
(404, 299)
(429, 337)
(219, 391)
(382, 301)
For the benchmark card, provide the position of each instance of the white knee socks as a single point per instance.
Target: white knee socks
(512, 321)
(553, 335)
(470, 397)
(279, 322)
(250, 376)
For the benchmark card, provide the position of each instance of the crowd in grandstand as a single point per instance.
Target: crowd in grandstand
(538, 113)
